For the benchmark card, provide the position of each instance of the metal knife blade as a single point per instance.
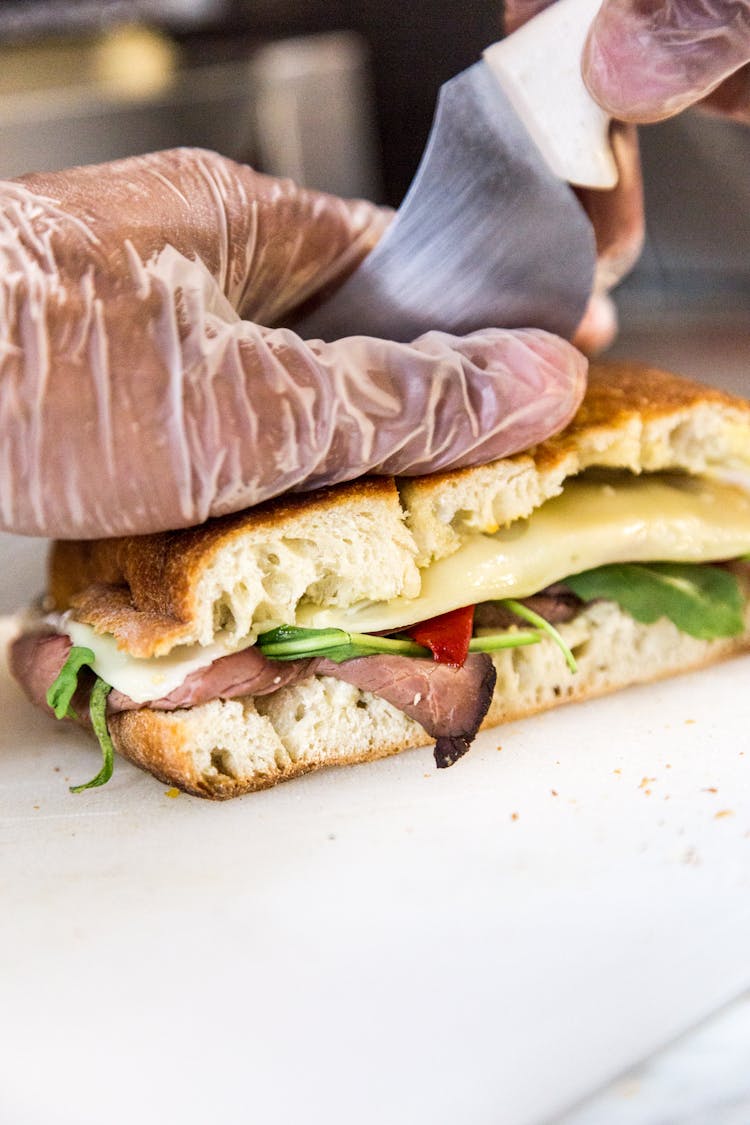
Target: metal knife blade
(488, 235)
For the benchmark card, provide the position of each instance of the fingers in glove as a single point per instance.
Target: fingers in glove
(646, 60)
(598, 327)
(271, 413)
(269, 244)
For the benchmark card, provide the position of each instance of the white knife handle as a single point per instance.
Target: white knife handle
(539, 68)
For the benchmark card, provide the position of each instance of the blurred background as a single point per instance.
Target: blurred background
(339, 95)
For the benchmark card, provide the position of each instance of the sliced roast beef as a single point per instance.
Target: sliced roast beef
(449, 703)
(35, 662)
(247, 672)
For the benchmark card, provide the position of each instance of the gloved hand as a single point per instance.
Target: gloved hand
(646, 60)
(143, 388)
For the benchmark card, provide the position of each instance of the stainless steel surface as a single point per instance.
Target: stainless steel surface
(486, 235)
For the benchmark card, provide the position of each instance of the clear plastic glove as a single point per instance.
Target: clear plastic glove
(142, 387)
(646, 60)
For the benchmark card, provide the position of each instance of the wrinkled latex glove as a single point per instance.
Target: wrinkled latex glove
(646, 60)
(143, 386)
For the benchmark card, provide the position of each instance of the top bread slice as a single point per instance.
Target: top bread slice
(367, 540)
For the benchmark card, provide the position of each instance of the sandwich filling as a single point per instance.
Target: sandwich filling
(429, 655)
(599, 519)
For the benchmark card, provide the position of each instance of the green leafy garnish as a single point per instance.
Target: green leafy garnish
(703, 601)
(59, 697)
(495, 642)
(64, 688)
(98, 713)
(290, 642)
(533, 618)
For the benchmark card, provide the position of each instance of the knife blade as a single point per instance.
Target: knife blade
(490, 232)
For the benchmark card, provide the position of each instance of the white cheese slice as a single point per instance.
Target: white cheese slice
(144, 679)
(596, 520)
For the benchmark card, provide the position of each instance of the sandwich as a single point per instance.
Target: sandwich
(361, 620)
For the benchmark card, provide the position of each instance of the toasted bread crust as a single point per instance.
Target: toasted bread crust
(159, 570)
(145, 590)
(160, 743)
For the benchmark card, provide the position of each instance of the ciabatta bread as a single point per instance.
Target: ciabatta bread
(371, 542)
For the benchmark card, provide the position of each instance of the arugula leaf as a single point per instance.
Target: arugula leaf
(59, 696)
(63, 689)
(495, 642)
(547, 627)
(98, 713)
(290, 642)
(703, 601)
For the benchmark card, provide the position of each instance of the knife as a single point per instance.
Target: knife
(490, 232)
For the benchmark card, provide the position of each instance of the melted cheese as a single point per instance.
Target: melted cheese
(596, 520)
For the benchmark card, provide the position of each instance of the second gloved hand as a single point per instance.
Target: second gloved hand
(646, 60)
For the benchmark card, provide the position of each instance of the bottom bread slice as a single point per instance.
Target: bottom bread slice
(222, 749)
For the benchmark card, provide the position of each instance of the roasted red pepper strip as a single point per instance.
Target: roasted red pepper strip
(447, 636)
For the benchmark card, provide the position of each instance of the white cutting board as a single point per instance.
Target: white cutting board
(383, 943)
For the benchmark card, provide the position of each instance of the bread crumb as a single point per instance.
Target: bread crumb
(668, 766)
(498, 748)
(172, 792)
(646, 781)
(514, 816)
(710, 789)
(689, 722)
(554, 792)
(616, 771)
(724, 812)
